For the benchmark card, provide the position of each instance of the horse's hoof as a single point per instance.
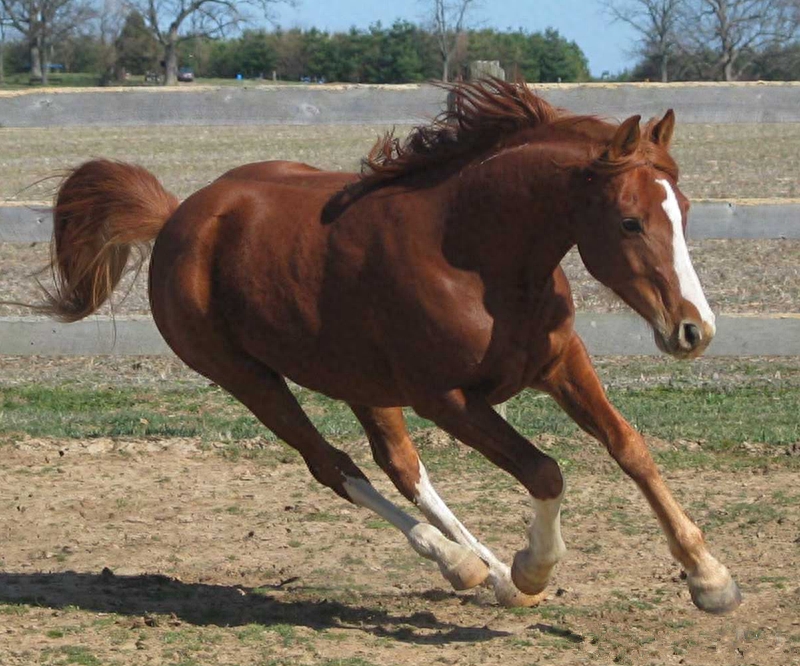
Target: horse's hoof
(717, 599)
(509, 596)
(470, 572)
(526, 583)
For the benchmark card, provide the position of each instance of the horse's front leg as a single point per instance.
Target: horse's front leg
(470, 418)
(574, 384)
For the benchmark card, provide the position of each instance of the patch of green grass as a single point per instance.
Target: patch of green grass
(13, 609)
(745, 513)
(287, 632)
(21, 80)
(377, 524)
(325, 517)
(75, 654)
(716, 417)
(783, 498)
(721, 419)
(251, 632)
(778, 582)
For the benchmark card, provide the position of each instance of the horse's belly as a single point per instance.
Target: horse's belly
(359, 365)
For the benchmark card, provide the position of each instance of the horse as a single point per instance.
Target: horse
(430, 280)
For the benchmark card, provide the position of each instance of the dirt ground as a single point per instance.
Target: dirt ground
(166, 552)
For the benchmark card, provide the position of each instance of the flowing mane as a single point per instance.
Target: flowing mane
(492, 113)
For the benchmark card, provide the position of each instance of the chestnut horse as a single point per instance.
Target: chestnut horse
(432, 281)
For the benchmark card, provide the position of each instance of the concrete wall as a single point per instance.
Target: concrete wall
(338, 104)
(720, 219)
(604, 334)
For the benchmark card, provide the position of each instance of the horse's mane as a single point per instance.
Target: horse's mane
(492, 113)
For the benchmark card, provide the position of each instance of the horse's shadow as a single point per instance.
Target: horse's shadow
(223, 605)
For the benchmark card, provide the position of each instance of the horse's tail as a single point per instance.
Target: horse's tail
(103, 211)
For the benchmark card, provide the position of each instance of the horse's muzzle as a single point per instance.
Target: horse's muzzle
(689, 339)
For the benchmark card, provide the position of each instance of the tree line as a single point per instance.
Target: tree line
(400, 53)
(728, 40)
(679, 40)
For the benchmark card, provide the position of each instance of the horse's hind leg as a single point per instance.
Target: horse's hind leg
(469, 417)
(396, 454)
(265, 393)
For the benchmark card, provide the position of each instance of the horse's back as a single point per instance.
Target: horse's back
(294, 174)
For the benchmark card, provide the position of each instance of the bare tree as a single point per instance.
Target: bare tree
(209, 18)
(449, 21)
(656, 21)
(110, 19)
(734, 28)
(43, 23)
(4, 23)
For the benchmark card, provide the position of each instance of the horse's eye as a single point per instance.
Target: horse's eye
(632, 225)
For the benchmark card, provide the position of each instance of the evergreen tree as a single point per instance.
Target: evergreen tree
(138, 50)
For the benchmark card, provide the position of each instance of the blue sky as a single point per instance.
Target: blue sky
(607, 45)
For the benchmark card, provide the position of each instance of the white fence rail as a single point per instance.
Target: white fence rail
(604, 334)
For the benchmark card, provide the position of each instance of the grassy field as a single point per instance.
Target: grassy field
(722, 404)
(21, 81)
(717, 417)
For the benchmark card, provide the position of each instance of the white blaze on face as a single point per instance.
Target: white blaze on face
(688, 282)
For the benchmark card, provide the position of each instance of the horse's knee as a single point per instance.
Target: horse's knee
(333, 469)
(542, 477)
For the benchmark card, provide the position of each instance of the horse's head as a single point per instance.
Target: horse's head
(631, 236)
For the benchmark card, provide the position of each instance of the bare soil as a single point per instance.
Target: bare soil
(163, 552)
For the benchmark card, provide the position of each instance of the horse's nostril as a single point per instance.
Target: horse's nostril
(692, 334)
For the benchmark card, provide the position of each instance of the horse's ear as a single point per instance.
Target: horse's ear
(626, 138)
(661, 133)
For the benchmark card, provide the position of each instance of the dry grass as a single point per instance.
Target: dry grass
(739, 161)
(717, 161)
(185, 158)
(738, 276)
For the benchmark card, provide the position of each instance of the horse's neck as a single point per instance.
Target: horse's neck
(509, 218)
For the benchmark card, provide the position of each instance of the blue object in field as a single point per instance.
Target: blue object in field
(238, 77)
